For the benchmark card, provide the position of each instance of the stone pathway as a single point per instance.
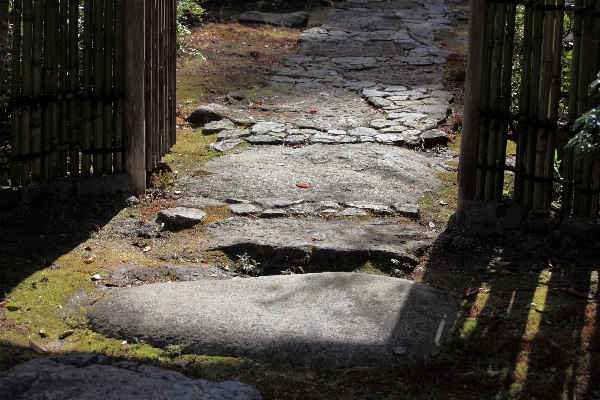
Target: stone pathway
(346, 128)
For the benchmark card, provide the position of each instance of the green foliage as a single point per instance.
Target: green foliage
(586, 141)
(189, 12)
(247, 265)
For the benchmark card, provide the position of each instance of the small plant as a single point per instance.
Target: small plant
(175, 350)
(247, 265)
(586, 142)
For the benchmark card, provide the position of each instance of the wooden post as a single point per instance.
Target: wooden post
(469, 146)
(134, 106)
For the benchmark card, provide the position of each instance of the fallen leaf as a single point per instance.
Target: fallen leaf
(3, 304)
(492, 374)
(124, 342)
(311, 375)
(12, 306)
(472, 292)
(96, 227)
(302, 185)
(148, 248)
(532, 305)
(42, 333)
(36, 347)
(313, 111)
(412, 186)
(350, 371)
(90, 260)
(88, 248)
(66, 334)
(96, 277)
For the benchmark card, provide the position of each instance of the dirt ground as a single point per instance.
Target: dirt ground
(528, 326)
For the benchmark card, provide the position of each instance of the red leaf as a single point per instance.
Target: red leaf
(412, 186)
(472, 292)
(3, 304)
(313, 111)
(302, 185)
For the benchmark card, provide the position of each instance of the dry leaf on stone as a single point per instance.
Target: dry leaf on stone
(302, 185)
(3, 304)
(66, 334)
(88, 248)
(89, 260)
(148, 248)
(36, 347)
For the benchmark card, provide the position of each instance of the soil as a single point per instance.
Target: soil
(528, 326)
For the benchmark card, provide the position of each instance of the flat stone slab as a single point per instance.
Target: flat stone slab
(328, 320)
(290, 20)
(293, 237)
(182, 216)
(358, 172)
(92, 377)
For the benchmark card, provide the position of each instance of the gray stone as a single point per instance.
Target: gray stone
(234, 200)
(411, 211)
(327, 320)
(232, 134)
(262, 128)
(91, 377)
(514, 216)
(306, 209)
(325, 138)
(245, 209)
(390, 138)
(207, 113)
(291, 20)
(292, 140)
(226, 145)
(483, 218)
(182, 216)
(269, 213)
(435, 136)
(579, 226)
(542, 222)
(351, 212)
(379, 102)
(273, 202)
(362, 131)
(265, 139)
(217, 126)
(381, 123)
(381, 209)
(198, 202)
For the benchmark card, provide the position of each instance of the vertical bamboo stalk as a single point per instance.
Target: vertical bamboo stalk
(118, 87)
(569, 158)
(98, 166)
(88, 38)
(595, 186)
(551, 36)
(507, 74)
(150, 89)
(495, 94)
(27, 89)
(109, 22)
(524, 103)
(49, 52)
(37, 88)
(16, 91)
(63, 133)
(485, 97)
(73, 85)
(173, 86)
(538, 36)
(53, 161)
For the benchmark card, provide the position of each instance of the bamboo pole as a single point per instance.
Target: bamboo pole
(524, 103)
(86, 142)
(27, 89)
(98, 82)
(135, 85)
(73, 85)
(544, 112)
(53, 160)
(173, 57)
(16, 91)
(574, 111)
(538, 36)
(62, 43)
(485, 99)
(37, 88)
(109, 22)
(49, 51)
(118, 87)
(495, 99)
(506, 90)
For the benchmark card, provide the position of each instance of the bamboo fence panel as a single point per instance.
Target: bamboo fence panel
(538, 104)
(67, 92)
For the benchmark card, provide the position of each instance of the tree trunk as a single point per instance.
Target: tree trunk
(3, 34)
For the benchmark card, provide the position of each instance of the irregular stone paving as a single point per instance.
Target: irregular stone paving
(327, 164)
(93, 377)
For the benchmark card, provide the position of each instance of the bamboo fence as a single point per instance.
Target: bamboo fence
(69, 82)
(536, 124)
